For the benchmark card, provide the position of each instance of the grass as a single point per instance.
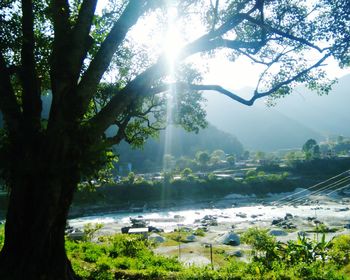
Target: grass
(130, 257)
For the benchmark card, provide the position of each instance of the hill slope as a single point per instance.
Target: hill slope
(177, 142)
(290, 123)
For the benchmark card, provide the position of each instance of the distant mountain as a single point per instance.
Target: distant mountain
(290, 123)
(177, 142)
(329, 115)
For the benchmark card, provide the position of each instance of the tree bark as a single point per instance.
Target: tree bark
(35, 224)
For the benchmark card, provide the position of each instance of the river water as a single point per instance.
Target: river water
(248, 212)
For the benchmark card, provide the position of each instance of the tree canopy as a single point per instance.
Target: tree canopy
(120, 79)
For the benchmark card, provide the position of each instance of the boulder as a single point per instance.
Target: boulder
(288, 216)
(230, 238)
(276, 232)
(154, 229)
(237, 254)
(156, 238)
(191, 238)
(276, 221)
(343, 209)
(241, 215)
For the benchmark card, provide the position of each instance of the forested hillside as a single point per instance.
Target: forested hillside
(182, 144)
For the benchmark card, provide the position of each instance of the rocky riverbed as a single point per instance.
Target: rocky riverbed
(302, 213)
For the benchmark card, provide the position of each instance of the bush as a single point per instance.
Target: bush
(114, 253)
(340, 250)
(2, 236)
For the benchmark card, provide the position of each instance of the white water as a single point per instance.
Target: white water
(325, 211)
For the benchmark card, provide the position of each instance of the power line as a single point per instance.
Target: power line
(325, 188)
(337, 190)
(312, 187)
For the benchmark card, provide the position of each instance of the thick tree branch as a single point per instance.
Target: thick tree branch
(293, 78)
(30, 82)
(124, 97)
(121, 99)
(60, 15)
(88, 85)
(61, 43)
(116, 139)
(256, 95)
(81, 40)
(142, 83)
(130, 114)
(232, 95)
(8, 104)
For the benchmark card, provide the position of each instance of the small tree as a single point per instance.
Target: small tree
(187, 172)
(260, 155)
(311, 149)
(218, 153)
(131, 178)
(214, 160)
(203, 158)
(231, 160)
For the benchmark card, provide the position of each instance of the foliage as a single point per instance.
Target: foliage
(302, 251)
(199, 232)
(118, 252)
(231, 160)
(311, 149)
(264, 245)
(203, 158)
(99, 75)
(218, 153)
(119, 196)
(131, 177)
(148, 159)
(340, 249)
(186, 172)
(2, 237)
(90, 231)
(130, 257)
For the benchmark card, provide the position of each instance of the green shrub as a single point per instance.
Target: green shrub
(264, 245)
(340, 250)
(199, 232)
(2, 236)
(90, 230)
(114, 253)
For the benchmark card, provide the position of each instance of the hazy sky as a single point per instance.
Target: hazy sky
(231, 75)
(242, 73)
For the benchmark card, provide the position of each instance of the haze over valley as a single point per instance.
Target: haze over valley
(299, 116)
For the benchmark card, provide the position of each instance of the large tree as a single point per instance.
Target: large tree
(100, 73)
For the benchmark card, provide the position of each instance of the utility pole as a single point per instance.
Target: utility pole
(211, 256)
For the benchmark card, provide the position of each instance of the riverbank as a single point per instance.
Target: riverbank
(310, 216)
(184, 193)
(235, 211)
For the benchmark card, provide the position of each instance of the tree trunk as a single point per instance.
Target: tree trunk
(35, 225)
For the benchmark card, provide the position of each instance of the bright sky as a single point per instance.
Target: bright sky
(231, 75)
(242, 73)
